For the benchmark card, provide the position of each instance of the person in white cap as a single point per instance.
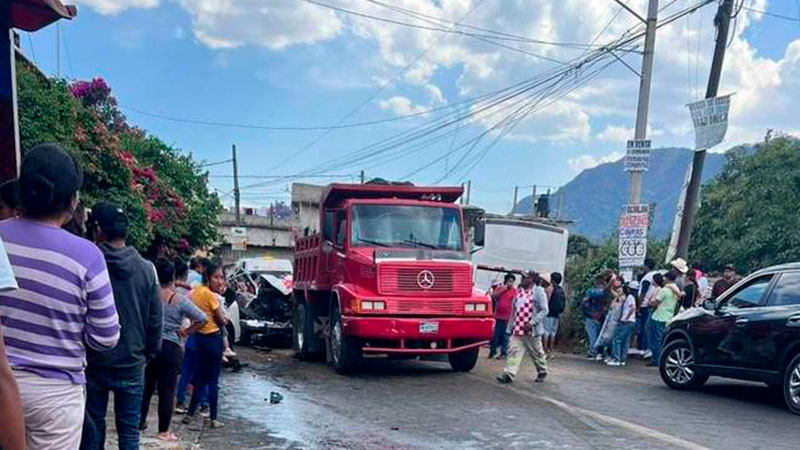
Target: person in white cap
(624, 330)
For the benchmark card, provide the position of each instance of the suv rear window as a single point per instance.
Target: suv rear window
(786, 291)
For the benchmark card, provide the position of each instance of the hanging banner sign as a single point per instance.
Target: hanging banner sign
(637, 156)
(633, 237)
(710, 118)
(672, 250)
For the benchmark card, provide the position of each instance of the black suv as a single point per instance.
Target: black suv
(751, 332)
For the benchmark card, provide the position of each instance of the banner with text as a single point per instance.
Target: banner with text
(710, 119)
(637, 156)
(633, 238)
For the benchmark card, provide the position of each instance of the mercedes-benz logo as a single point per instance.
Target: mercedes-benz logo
(425, 279)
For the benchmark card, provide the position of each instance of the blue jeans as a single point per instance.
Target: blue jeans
(592, 332)
(622, 340)
(209, 348)
(128, 392)
(500, 338)
(191, 360)
(656, 335)
(641, 328)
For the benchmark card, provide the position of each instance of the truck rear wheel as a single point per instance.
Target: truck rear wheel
(464, 361)
(345, 351)
(300, 331)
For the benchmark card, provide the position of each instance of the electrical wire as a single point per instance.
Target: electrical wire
(372, 96)
(437, 129)
(770, 14)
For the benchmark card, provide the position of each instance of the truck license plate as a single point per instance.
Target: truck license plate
(429, 327)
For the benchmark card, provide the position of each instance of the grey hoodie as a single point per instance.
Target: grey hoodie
(137, 296)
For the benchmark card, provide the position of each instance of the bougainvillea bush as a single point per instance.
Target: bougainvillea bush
(163, 190)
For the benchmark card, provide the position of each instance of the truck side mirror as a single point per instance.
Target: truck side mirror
(327, 247)
(479, 237)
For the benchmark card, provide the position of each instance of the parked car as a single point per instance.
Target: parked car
(751, 332)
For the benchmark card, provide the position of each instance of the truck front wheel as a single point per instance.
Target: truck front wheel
(464, 361)
(301, 333)
(345, 351)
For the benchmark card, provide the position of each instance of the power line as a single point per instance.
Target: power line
(33, 51)
(398, 145)
(770, 14)
(372, 96)
(280, 177)
(218, 163)
(276, 127)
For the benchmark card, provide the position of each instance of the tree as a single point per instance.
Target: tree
(749, 216)
(164, 191)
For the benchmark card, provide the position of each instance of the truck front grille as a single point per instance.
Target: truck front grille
(396, 279)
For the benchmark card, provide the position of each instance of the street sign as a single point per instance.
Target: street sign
(710, 118)
(633, 238)
(637, 156)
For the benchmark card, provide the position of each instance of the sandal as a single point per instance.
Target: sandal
(168, 437)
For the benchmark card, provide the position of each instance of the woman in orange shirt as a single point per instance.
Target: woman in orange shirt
(209, 343)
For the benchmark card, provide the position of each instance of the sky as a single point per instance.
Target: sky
(302, 63)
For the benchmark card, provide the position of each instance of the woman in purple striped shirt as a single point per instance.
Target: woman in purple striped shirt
(64, 301)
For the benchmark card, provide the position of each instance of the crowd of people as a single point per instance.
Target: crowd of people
(84, 315)
(617, 312)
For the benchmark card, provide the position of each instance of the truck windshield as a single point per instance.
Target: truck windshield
(406, 226)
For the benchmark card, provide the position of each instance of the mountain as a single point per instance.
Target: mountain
(594, 199)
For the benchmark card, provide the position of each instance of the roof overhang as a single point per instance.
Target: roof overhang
(32, 15)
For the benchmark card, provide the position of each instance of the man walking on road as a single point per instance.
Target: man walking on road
(502, 297)
(527, 328)
(136, 293)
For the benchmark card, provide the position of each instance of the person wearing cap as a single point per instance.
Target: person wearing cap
(526, 329)
(625, 327)
(138, 299)
(64, 303)
(728, 279)
(503, 297)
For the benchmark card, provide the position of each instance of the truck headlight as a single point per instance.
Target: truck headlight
(373, 305)
(475, 307)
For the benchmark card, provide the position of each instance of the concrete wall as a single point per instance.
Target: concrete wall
(305, 204)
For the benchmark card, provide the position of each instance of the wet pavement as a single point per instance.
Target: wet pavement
(423, 405)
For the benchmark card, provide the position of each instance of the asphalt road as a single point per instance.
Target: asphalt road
(422, 405)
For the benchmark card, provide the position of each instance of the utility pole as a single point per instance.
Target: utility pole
(236, 197)
(533, 201)
(516, 195)
(58, 49)
(723, 21)
(362, 177)
(469, 189)
(635, 193)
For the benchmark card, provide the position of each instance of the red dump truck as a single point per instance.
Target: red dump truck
(389, 273)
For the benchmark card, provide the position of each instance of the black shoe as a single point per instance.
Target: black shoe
(491, 355)
(541, 377)
(505, 379)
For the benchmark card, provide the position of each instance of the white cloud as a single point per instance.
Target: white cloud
(179, 33)
(117, 6)
(621, 134)
(401, 106)
(583, 162)
(276, 24)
